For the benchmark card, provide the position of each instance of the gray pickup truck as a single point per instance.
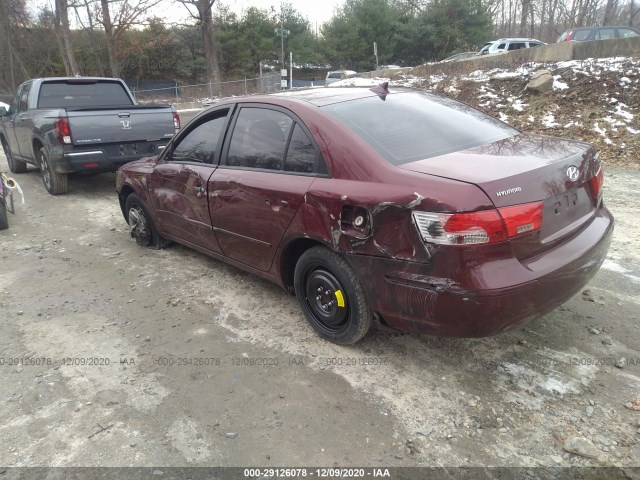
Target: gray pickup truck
(84, 124)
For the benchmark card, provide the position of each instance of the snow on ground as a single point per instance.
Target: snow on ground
(4, 105)
(594, 99)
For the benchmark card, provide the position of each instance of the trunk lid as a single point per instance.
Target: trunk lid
(524, 169)
(120, 125)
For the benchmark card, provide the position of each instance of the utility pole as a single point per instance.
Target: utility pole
(282, 33)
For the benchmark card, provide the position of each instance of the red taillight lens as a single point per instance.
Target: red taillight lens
(596, 183)
(521, 219)
(62, 130)
(485, 226)
(176, 120)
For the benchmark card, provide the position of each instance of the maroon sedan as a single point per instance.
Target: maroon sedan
(395, 206)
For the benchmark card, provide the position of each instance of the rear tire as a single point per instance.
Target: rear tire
(55, 183)
(4, 221)
(16, 166)
(331, 297)
(141, 224)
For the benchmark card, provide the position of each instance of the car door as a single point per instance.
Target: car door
(23, 126)
(178, 183)
(15, 123)
(269, 162)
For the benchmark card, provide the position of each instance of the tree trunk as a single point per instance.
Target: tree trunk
(66, 36)
(111, 47)
(208, 38)
(526, 5)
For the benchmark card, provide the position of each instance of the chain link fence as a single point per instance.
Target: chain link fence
(204, 92)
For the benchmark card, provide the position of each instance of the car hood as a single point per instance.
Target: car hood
(519, 169)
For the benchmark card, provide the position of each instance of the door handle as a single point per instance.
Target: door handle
(284, 203)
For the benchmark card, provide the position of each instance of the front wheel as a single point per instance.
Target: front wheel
(16, 166)
(55, 183)
(141, 225)
(331, 296)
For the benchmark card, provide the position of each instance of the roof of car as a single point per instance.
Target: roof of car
(601, 27)
(518, 39)
(328, 95)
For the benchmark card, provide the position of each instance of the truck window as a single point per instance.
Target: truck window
(77, 93)
(24, 97)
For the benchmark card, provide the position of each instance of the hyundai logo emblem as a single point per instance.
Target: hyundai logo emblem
(573, 173)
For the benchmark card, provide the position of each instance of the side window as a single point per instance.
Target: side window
(301, 154)
(502, 46)
(534, 44)
(259, 139)
(24, 97)
(605, 34)
(626, 33)
(201, 143)
(581, 35)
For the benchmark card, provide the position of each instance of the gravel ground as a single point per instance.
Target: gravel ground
(114, 355)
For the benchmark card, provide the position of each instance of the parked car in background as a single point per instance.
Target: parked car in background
(338, 75)
(585, 34)
(389, 67)
(509, 44)
(485, 48)
(395, 206)
(460, 56)
(80, 124)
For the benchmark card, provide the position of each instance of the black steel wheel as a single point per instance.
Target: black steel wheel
(331, 296)
(55, 183)
(141, 225)
(16, 166)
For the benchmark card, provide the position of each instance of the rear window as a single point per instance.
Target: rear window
(96, 94)
(411, 126)
(335, 75)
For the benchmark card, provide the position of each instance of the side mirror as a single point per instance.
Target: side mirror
(3, 112)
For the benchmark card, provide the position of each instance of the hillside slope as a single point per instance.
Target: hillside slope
(595, 100)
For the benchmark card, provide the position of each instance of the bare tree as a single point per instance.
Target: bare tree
(63, 35)
(201, 11)
(13, 17)
(116, 17)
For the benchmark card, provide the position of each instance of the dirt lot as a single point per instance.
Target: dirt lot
(258, 387)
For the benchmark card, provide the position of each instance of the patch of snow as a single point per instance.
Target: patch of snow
(633, 130)
(558, 84)
(4, 105)
(549, 120)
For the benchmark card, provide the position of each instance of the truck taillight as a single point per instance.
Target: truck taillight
(176, 120)
(62, 130)
(484, 226)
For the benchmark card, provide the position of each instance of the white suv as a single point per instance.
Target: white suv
(509, 44)
(338, 75)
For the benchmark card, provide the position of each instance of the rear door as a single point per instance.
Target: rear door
(178, 184)
(268, 165)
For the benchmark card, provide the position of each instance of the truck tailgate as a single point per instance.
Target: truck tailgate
(127, 124)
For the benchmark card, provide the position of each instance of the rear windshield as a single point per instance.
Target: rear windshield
(335, 75)
(96, 94)
(411, 126)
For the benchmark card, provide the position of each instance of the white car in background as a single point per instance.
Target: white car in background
(338, 75)
(503, 45)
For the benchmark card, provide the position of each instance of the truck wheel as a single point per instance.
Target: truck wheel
(4, 222)
(331, 297)
(141, 224)
(55, 183)
(16, 166)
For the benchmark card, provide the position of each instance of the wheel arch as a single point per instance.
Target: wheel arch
(292, 253)
(122, 197)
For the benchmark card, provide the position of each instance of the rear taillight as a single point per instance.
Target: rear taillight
(62, 130)
(596, 183)
(176, 120)
(522, 218)
(484, 226)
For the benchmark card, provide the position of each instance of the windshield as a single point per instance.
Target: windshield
(405, 127)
